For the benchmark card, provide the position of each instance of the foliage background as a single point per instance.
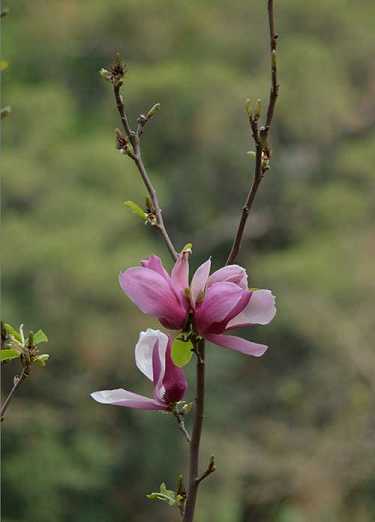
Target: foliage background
(293, 433)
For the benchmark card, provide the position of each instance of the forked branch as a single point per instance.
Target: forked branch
(130, 144)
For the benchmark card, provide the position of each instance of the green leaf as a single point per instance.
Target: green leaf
(41, 360)
(3, 65)
(181, 352)
(12, 332)
(136, 209)
(7, 355)
(165, 495)
(40, 337)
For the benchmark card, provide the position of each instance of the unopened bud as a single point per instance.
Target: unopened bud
(248, 107)
(5, 111)
(105, 74)
(122, 143)
(258, 109)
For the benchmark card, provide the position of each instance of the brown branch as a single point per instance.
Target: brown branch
(18, 380)
(211, 468)
(274, 92)
(260, 137)
(194, 480)
(136, 155)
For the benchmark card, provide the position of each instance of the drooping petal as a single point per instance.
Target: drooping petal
(199, 281)
(222, 302)
(174, 382)
(180, 273)
(154, 263)
(144, 349)
(128, 399)
(229, 274)
(261, 309)
(153, 295)
(158, 369)
(238, 344)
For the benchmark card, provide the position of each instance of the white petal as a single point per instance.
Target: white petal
(144, 351)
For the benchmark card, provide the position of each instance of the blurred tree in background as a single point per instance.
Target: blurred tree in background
(294, 432)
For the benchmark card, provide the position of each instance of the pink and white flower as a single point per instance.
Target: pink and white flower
(215, 304)
(153, 359)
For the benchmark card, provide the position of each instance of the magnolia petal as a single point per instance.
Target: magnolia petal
(261, 309)
(238, 344)
(154, 263)
(222, 302)
(153, 295)
(158, 369)
(180, 273)
(199, 281)
(230, 274)
(147, 342)
(121, 397)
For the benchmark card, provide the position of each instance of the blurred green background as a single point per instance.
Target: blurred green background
(293, 432)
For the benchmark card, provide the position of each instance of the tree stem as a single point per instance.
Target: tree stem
(260, 137)
(18, 379)
(196, 435)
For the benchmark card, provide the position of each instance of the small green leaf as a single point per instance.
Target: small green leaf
(136, 209)
(12, 332)
(154, 109)
(181, 352)
(7, 355)
(40, 337)
(41, 360)
(165, 495)
(187, 248)
(3, 65)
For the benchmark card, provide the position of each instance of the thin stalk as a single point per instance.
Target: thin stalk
(260, 137)
(16, 383)
(194, 479)
(136, 156)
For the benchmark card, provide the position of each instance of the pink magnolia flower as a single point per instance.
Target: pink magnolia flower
(153, 359)
(215, 304)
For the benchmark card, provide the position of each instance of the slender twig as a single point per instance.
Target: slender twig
(194, 480)
(182, 427)
(274, 92)
(260, 137)
(18, 379)
(210, 469)
(136, 156)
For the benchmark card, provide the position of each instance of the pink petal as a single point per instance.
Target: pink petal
(238, 344)
(199, 281)
(174, 382)
(154, 263)
(153, 294)
(147, 342)
(230, 274)
(222, 302)
(261, 309)
(180, 273)
(128, 399)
